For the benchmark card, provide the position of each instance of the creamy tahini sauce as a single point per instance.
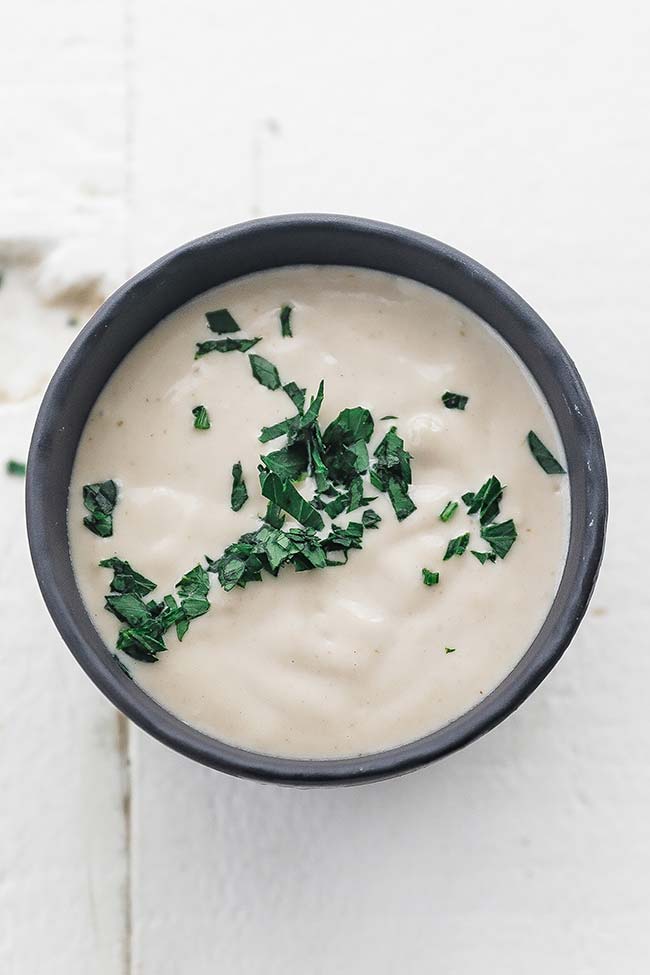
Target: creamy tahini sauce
(348, 660)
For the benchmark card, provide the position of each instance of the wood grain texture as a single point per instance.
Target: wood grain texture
(520, 135)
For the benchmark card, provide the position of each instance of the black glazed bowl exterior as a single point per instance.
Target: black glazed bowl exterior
(260, 244)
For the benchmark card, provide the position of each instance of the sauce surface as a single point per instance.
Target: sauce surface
(349, 660)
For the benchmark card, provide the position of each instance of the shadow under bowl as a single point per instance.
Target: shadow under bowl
(255, 246)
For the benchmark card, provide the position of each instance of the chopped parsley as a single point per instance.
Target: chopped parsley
(456, 546)
(290, 462)
(391, 472)
(430, 578)
(16, 467)
(201, 418)
(274, 516)
(264, 371)
(282, 493)
(543, 455)
(146, 622)
(455, 401)
(100, 500)
(296, 394)
(238, 494)
(221, 321)
(448, 511)
(500, 537)
(370, 519)
(484, 557)
(388, 416)
(224, 345)
(486, 501)
(450, 649)
(285, 321)
(126, 579)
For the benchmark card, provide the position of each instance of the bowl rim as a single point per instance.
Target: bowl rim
(129, 698)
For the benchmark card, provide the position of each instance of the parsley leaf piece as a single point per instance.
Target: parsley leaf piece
(468, 498)
(201, 418)
(274, 516)
(285, 321)
(192, 590)
(349, 427)
(450, 649)
(284, 494)
(100, 500)
(296, 394)
(126, 579)
(278, 429)
(370, 519)
(389, 416)
(484, 557)
(500, 536)
(448, 511)
(341, 540)
(391, 472)
(221, 321)
(289, 462)
(455, 401)
(16, 467)
(141, 643)
(430, 578)
(456, 546)
(337, 505)
(401, 502)
(225, 345)
(486, 501)
(129, 608)
(314, 407)
(238, 494)
(543, 455)
(264, 371)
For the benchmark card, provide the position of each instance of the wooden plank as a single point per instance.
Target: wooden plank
(63, 836)
(513, 133)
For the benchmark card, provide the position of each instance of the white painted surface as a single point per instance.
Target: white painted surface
(518, 133)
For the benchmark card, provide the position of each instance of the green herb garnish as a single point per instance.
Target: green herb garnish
(238, 494)
(147, 622)
(274, 516)
(192, 589)
(500, 537)
(296, 394)
(285, 321)
(430, 578)
(456, 546)
(16, 468)
(290, 462)
(201, 418)
(484, 557)
(486, 501)
(221, 321)
(391, 472)
(543, 455)
(125, 579)
(282, 493)
(389, 416)
(450, 649)
(100, 500)
(370, 519)
(225, 345)
(264, 371)
(448, 510)
(455, 401)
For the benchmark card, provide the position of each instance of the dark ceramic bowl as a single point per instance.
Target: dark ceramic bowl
(151, 295)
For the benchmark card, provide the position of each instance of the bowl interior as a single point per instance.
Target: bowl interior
(194, 268)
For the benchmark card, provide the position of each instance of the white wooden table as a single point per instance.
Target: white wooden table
(518, 133)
